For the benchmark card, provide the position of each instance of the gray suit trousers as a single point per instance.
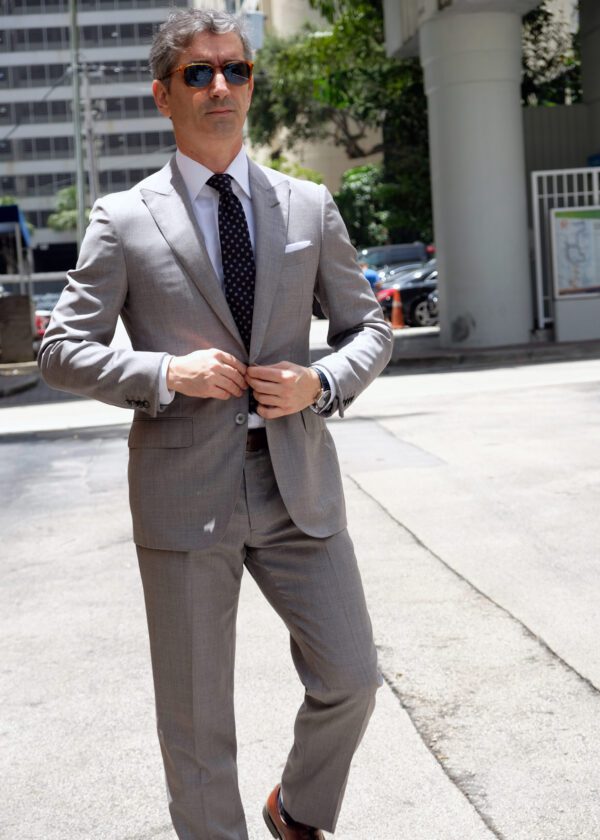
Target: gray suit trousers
(191, 604)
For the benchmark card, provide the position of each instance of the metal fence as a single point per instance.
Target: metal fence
(550, 189)
(31, 284)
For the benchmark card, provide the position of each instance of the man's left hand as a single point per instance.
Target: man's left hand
(284, 388)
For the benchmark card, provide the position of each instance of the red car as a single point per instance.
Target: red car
(44, 304)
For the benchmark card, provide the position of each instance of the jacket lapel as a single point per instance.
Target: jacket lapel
(166, 197)
(270, 205)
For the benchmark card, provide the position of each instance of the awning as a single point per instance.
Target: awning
(10, 215)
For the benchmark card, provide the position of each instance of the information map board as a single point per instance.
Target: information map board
(576, 251)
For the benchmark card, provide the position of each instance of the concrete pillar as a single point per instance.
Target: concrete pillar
(472, 65)
(589, 17)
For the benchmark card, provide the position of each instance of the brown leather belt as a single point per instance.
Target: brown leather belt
(256, 440)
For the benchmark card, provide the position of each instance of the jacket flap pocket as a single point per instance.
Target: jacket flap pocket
(312, 421)
(165, 433)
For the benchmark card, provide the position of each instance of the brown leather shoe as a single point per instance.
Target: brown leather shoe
(286, 830)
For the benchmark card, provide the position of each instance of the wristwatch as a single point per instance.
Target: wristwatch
(324, 395)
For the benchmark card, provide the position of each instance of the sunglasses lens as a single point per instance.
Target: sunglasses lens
(198, 75)
(237, 73)
(201, 75)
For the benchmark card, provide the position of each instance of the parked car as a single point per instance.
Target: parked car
(432, 304)
(394, 272)
(381, 256)
(44, 304)
(415, 288)
(387, 260)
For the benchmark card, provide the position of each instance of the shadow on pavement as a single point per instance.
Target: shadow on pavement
(35, 395)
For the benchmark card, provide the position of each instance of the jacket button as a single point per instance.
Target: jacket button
(240, 418)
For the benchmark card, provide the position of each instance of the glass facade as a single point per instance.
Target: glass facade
(130, 138)
(49, 7)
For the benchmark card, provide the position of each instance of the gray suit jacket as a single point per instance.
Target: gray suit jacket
(143, 257)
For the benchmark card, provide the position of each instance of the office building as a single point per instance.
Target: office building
(130, 138)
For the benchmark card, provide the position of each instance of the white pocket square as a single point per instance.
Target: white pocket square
(297, 246)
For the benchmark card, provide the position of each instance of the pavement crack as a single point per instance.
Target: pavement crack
(456, 781)
(526, 630)
(461, 781)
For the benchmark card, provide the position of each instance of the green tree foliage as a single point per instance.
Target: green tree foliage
(361, 201)
(65, 215)
(551, 59)
(337, 85)
(330, 84)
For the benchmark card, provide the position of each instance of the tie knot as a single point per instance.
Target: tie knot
(220, 183)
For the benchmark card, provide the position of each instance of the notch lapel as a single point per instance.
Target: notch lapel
(270, 203)
(167, 200)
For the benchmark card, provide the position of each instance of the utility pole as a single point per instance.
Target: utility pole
(76, 107)
(88, 125)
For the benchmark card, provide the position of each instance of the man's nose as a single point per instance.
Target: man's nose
(218, 86)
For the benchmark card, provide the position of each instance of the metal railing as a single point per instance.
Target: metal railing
(27, 284)
(550, 189)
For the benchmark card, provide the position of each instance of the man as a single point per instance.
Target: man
(212, 264)
(370, 275)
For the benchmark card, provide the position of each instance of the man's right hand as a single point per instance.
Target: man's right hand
(207, 373)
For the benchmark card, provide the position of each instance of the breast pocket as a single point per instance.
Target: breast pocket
(298, 256)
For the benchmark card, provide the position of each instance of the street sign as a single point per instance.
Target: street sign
(576, 251)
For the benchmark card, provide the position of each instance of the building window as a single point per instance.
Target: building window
(40, 111)
(57, 38)
(43, 145)
(24, 7)
(62, 146)
(59, 110)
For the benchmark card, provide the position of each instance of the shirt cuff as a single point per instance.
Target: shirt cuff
(331, 387)
(165, 396)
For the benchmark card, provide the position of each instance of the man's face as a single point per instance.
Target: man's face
(203, 116)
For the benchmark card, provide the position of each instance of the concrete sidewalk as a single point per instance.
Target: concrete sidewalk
(78, 716)
(472, 500)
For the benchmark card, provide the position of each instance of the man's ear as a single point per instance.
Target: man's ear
(161, 97)
(250, 90)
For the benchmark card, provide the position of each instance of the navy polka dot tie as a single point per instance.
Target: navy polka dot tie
(237, 257)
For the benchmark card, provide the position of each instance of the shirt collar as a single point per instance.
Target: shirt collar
(195, 175)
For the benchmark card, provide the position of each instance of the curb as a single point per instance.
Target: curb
(419, 350)
(17, 377)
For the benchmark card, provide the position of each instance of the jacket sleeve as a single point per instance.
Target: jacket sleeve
(75, 354)
(358, 334)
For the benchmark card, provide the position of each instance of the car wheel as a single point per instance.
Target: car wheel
(421, 316)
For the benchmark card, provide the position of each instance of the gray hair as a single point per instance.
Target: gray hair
(180, 29)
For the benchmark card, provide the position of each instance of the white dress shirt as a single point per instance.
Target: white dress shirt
(205, 202)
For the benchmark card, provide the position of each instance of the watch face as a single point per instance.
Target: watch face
(323, 399)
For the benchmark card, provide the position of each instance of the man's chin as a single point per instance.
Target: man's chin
(223, 126)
